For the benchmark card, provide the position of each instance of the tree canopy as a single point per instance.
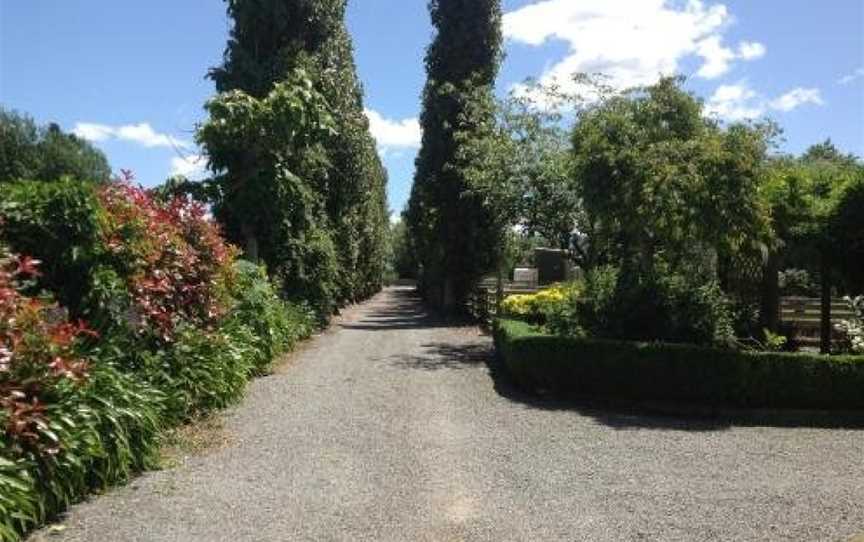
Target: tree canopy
(659, 179)
(29, 152)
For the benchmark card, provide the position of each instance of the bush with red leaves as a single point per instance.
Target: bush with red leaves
(176, 265)
(37, 354)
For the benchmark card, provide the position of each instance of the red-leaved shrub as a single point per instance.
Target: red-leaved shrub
(37, 354)
(175, 262)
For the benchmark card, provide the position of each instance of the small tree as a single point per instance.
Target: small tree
(517, 158)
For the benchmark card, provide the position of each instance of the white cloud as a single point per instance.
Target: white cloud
(846, 79)
(749, 50)
(93, 132)
(797, 97)
(394, 133)
(735, 103)
(740, 102)
(633, 42)
(141, 133)
(193, 167)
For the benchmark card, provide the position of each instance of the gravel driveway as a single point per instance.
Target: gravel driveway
(392, 427)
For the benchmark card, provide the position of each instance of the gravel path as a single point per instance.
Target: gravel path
(391, 427)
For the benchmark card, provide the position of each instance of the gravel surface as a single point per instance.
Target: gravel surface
(392, 426)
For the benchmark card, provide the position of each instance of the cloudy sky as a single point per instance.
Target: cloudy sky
(129, 76)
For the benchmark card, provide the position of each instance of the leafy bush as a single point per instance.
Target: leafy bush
(797, 282)
(853, 328)
(181, 328)
(276, 325)
(659, 306)
(69, 425)
(675, 372)
(103, 430)
(538, 306)
(59, 224)
(175, 264)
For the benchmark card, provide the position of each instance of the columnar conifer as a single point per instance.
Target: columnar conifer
(452, 229)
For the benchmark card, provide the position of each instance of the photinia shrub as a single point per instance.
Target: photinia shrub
(172, 258)
(38, 355)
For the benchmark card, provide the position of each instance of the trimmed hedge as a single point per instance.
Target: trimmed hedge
(674, 372)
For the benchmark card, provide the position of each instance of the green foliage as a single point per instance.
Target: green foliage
(276, 325)
(815, 203)
(104, 431)
(46, 154)
(517, 158)
(662, 305)
(853, 328)
(265, 147)
(846, 231)
(655, 175)
(670, 372)
(403, 259)
(181, 330)
(774, 342)
(798, 282)
(457, 236)
(270, 41)
(58, 224)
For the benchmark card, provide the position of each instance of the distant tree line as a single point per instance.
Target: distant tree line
(46, 153)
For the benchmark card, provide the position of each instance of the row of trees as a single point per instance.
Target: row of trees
(642, 181)
(299, 183)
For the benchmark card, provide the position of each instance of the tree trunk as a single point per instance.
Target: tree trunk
(825, 323)
(250, 243)
(769, 314)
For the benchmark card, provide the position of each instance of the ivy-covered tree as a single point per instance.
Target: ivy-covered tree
(269, 39)
(456, 235)
(266, 150)
(28, 152)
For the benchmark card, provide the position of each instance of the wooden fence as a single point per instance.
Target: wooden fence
(483, 304)
(804, 316)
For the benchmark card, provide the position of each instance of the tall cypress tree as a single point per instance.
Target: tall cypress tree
(269, 39)
(453, 231)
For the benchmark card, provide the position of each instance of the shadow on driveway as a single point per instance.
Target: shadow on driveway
(618, 414)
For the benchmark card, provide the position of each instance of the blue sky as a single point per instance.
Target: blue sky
(131, 75)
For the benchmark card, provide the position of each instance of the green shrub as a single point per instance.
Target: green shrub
(276, 325)
(660, 305)
(182, 326)
(676, 372)
(103, 431)
(58, 224)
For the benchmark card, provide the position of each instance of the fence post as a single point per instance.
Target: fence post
(825, 321)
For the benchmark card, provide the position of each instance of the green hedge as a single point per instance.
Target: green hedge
(672, 372)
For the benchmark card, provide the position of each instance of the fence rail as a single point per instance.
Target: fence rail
(804, 316)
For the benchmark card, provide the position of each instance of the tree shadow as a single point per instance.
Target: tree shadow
(439, 356)
(403, 309)
(619, 414)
